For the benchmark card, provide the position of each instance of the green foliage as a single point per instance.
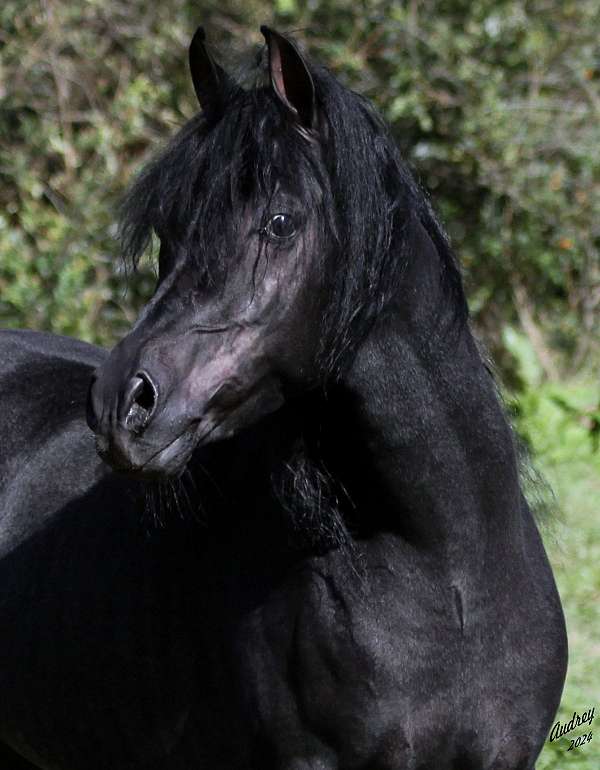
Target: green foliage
(558, 422)
(495, 103)
(573, 545)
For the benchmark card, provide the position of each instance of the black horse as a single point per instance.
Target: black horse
(313, 551)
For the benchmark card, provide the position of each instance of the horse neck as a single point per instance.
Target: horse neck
(421, 437)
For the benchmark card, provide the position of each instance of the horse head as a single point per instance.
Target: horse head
(286, 219)
(232, 329)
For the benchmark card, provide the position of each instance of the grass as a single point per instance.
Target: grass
(561, 442)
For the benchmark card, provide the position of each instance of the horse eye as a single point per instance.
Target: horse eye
(280, 227)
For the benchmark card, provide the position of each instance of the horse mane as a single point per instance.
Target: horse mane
(361, 192)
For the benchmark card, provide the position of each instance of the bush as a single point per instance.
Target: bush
(495, 103)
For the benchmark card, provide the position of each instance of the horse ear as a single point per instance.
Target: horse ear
(290, 78)
(210, 80)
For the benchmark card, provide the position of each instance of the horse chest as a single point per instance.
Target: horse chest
(329, 671)
(335, 674)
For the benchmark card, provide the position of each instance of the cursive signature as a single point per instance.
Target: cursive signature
(577, 720)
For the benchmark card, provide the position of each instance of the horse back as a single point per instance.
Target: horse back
(47, 453)
(43, 381)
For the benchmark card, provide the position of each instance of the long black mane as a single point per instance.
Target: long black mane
(360, 192)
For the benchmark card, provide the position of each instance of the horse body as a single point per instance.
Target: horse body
(129, 649)
(367, 587)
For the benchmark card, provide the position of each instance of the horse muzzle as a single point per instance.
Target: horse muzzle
(130, 436)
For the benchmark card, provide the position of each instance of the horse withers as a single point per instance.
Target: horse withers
(296, 537)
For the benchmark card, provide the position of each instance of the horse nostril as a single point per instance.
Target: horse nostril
(140, 402)
(146, 393)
